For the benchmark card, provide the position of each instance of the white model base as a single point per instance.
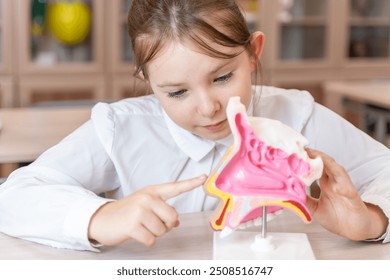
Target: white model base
(245, 245)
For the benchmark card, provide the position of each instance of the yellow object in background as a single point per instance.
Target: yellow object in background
(69, 22)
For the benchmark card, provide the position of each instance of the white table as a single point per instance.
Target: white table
(193, 240)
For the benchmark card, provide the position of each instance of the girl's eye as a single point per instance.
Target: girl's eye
(177, 94)
(223, 78)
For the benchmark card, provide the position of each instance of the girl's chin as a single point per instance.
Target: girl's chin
(214, 136)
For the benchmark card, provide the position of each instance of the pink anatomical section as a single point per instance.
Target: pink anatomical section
(254, 173)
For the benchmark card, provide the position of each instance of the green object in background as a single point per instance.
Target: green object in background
(38, 14)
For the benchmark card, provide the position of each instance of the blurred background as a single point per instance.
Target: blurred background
(77, 52)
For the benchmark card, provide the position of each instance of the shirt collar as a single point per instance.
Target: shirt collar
(192, 145)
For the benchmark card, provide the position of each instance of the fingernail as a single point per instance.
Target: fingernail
(201, 177)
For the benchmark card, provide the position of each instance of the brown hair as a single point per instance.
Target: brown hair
(153, 23)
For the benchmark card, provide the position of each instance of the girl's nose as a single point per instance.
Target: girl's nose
(208, 106)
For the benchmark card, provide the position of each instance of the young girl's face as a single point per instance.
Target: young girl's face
(194, 88)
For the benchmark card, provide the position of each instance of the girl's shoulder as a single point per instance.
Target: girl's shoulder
(290, 96)
(126, 118)
(290, 106)
(144, 105)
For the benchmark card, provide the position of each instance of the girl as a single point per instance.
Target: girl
(147, 153)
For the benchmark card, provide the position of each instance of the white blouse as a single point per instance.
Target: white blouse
(132, 143)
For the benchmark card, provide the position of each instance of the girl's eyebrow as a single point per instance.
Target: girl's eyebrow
(176, 84)
(170, 84)
(219, 67)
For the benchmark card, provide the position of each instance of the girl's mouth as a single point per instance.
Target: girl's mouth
(216, 126)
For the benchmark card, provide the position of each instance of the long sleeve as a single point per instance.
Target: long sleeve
(366, 160)
(52, 200)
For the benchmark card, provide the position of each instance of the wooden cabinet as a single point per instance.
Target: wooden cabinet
(42, 52)
(365, 51)
(53, 65)
(46, 68)
(300, 40)
(307, 42)
(312, 41)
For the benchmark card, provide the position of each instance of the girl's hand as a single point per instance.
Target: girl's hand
(142, 216)
(340, 209)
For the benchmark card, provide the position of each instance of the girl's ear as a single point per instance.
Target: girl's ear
(257, 43)
(139, 74)
(142, 75)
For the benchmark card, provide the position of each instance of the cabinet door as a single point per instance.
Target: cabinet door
(119, 47)
(121, 50)
(60, 36)
(299, 32)
(368, 30)
(122, 83)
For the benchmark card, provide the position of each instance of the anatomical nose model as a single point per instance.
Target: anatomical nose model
(265, 170)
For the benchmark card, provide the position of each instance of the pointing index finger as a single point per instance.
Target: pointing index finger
(170, 190)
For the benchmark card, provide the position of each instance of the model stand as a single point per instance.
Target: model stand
(247, 245)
